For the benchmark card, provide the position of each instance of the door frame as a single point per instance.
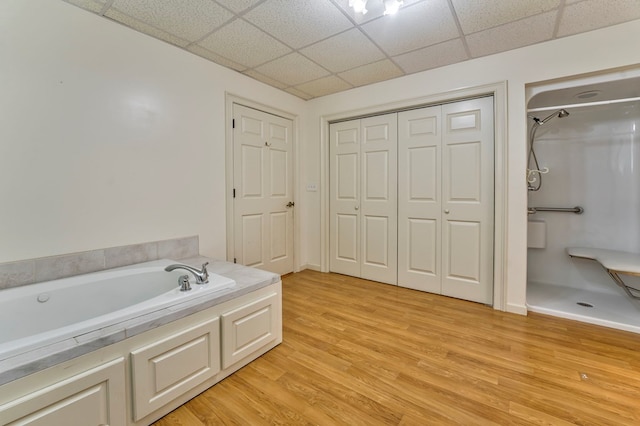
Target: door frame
(230, 100)
(499, 92)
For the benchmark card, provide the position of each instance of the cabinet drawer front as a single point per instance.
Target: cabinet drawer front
(93, 397)
(166, 369)
(248, 328)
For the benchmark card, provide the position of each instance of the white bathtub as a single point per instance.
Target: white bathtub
(36, 315)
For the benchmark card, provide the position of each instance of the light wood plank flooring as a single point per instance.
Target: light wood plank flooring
(362, 353)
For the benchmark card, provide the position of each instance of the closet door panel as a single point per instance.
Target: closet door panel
(379, 198)
(419, 199)
(344, 193)
(467, 206)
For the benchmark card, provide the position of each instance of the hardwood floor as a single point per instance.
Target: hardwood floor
(362, 353)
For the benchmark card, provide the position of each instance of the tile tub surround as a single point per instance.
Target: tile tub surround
(247, 280)
(14, 274)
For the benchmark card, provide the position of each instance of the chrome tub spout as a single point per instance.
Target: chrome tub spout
(202, 275)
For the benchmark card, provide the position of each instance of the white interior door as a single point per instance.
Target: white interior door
(344, 193)
(263, 190)
(467, 206)
(378, 200)
(419, 199)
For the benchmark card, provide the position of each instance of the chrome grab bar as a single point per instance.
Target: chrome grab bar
(576, 209)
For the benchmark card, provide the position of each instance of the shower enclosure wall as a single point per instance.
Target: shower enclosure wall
(593, 157)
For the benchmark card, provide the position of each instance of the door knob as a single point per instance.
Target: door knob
(357, 208)
(291, 204)
(446, 211)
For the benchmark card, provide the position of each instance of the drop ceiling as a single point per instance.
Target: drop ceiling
(312, 48)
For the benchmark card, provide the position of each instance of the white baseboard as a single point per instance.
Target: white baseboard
(517, 309)
(310, 266)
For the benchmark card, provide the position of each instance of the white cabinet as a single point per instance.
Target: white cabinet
(250, 327)
(152, 373)
(164, 370)
(94, 397)
(363, 194)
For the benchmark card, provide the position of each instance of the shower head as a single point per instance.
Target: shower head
(561, 113)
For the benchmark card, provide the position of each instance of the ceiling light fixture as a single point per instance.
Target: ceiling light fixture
(359, 6)
(391, 6)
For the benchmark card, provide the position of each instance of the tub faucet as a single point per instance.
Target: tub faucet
(202, 275)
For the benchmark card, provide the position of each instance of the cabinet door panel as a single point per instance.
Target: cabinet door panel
(94, 397)
(166, 369)
(249, 328)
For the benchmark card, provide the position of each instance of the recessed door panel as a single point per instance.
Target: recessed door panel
(251, 171)
(376, 172)
(279, 173)
(463, 121)
(347, 177)
(463, 253)
(376, 241)
(253, 232)
(279, 133)
(279, 228)
(347, 237)
(422, 246)
(422, 173)
(464, 170)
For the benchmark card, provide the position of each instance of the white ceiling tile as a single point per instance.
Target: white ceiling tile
(144, 28)
(592, 14)
(324, 86)
(413, 27)
(238, 5)
(344, 51)
(438, 55)
(371, 73)
(186, 19)
(477, 15)
(91, 5)
(263, 78)
(299, 93)
(513, 35)
(299, 23)
(292, 69)
(201, 51)
(243, 43)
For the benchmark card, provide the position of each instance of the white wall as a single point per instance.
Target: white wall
(109, 137)
(590, 52)
(593, 157)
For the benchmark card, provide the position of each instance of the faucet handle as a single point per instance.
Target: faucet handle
(205, 273)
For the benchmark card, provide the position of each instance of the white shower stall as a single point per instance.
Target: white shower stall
(589, 159)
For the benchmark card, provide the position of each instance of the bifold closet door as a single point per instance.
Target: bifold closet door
(363, 198)
(468, 199)
(445, 199)
(419, 199)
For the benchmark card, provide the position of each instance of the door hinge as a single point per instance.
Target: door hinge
(233, 123)
(234, 260)
(234, 193)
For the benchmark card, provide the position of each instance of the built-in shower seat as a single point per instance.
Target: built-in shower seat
(614, 262)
